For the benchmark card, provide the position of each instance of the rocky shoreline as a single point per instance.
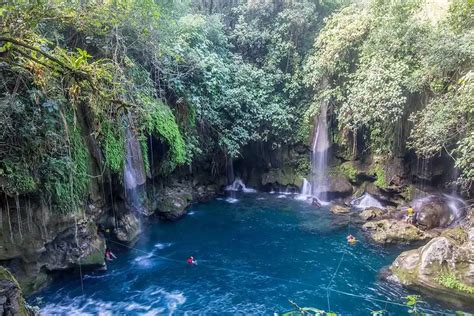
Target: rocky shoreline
(58, 243)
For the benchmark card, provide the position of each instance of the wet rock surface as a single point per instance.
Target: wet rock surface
(434, 213)
(388, 231)
(12, 302)
(371, 213)
(338, 187)
(340, 209)
(128, 227)
(48, 241)
(449, 256)
(173, 200)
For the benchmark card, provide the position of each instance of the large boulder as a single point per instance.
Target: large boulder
(79, 244)
(433, 212)
(12, 302)
(393, 231)
(128, 227)
(445, 265)
(339, 209)
(173, 201)
(338, 186)
(371, 213)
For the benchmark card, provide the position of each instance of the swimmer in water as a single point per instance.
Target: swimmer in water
(351, 239)
(191, 261)
(109, 255)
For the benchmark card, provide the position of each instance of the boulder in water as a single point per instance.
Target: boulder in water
(128, 228)
(448, 257)
(78, 244)
(365, 201)
(371, 213)
(174, 200)
(392, 231)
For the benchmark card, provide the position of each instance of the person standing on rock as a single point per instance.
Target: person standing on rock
(410, 215)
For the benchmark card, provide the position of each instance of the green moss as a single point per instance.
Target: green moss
(6, 275)
(450, 281)
(113, 144)
(18, 178)
(457, 233)
(348, 170)
(158, 119)
(144, 147)
(303, 166)
(66, 180)
(405, 276)
(381, 181)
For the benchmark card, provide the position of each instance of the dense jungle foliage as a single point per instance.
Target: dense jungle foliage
(207, 79)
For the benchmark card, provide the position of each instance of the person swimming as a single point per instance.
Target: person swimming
(351, 239)
(109, 255)
(191, 261)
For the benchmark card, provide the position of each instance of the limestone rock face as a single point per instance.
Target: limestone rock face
(392, 231)
(371, 213)
(452, 253)
(338, 186)
(339, 209)
(75, 245)
(12, 302)
(173, 200)
(285, 177)
(128, 227)
(48, 241)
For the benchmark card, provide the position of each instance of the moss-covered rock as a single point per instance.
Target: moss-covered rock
(444, 265)
(128, 228)
(173, 200)
(393, 231)
(285, 176)
(11, 297)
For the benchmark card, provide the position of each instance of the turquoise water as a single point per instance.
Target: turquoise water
(253, 256)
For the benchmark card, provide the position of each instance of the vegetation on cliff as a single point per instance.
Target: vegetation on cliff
(400, 74)
(205, 80)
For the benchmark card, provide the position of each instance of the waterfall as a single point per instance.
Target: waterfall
(456, 205)
(305, 190)
(319, 153)
(134, 170)
(239, 185)
(366, 201)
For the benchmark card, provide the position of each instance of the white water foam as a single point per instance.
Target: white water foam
(366, 201)
(239, 185)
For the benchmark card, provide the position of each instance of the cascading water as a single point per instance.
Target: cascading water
(239, 185)
(306, 191)
(366, 201)
(456, 205)
(134, 170)
(320, 153)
